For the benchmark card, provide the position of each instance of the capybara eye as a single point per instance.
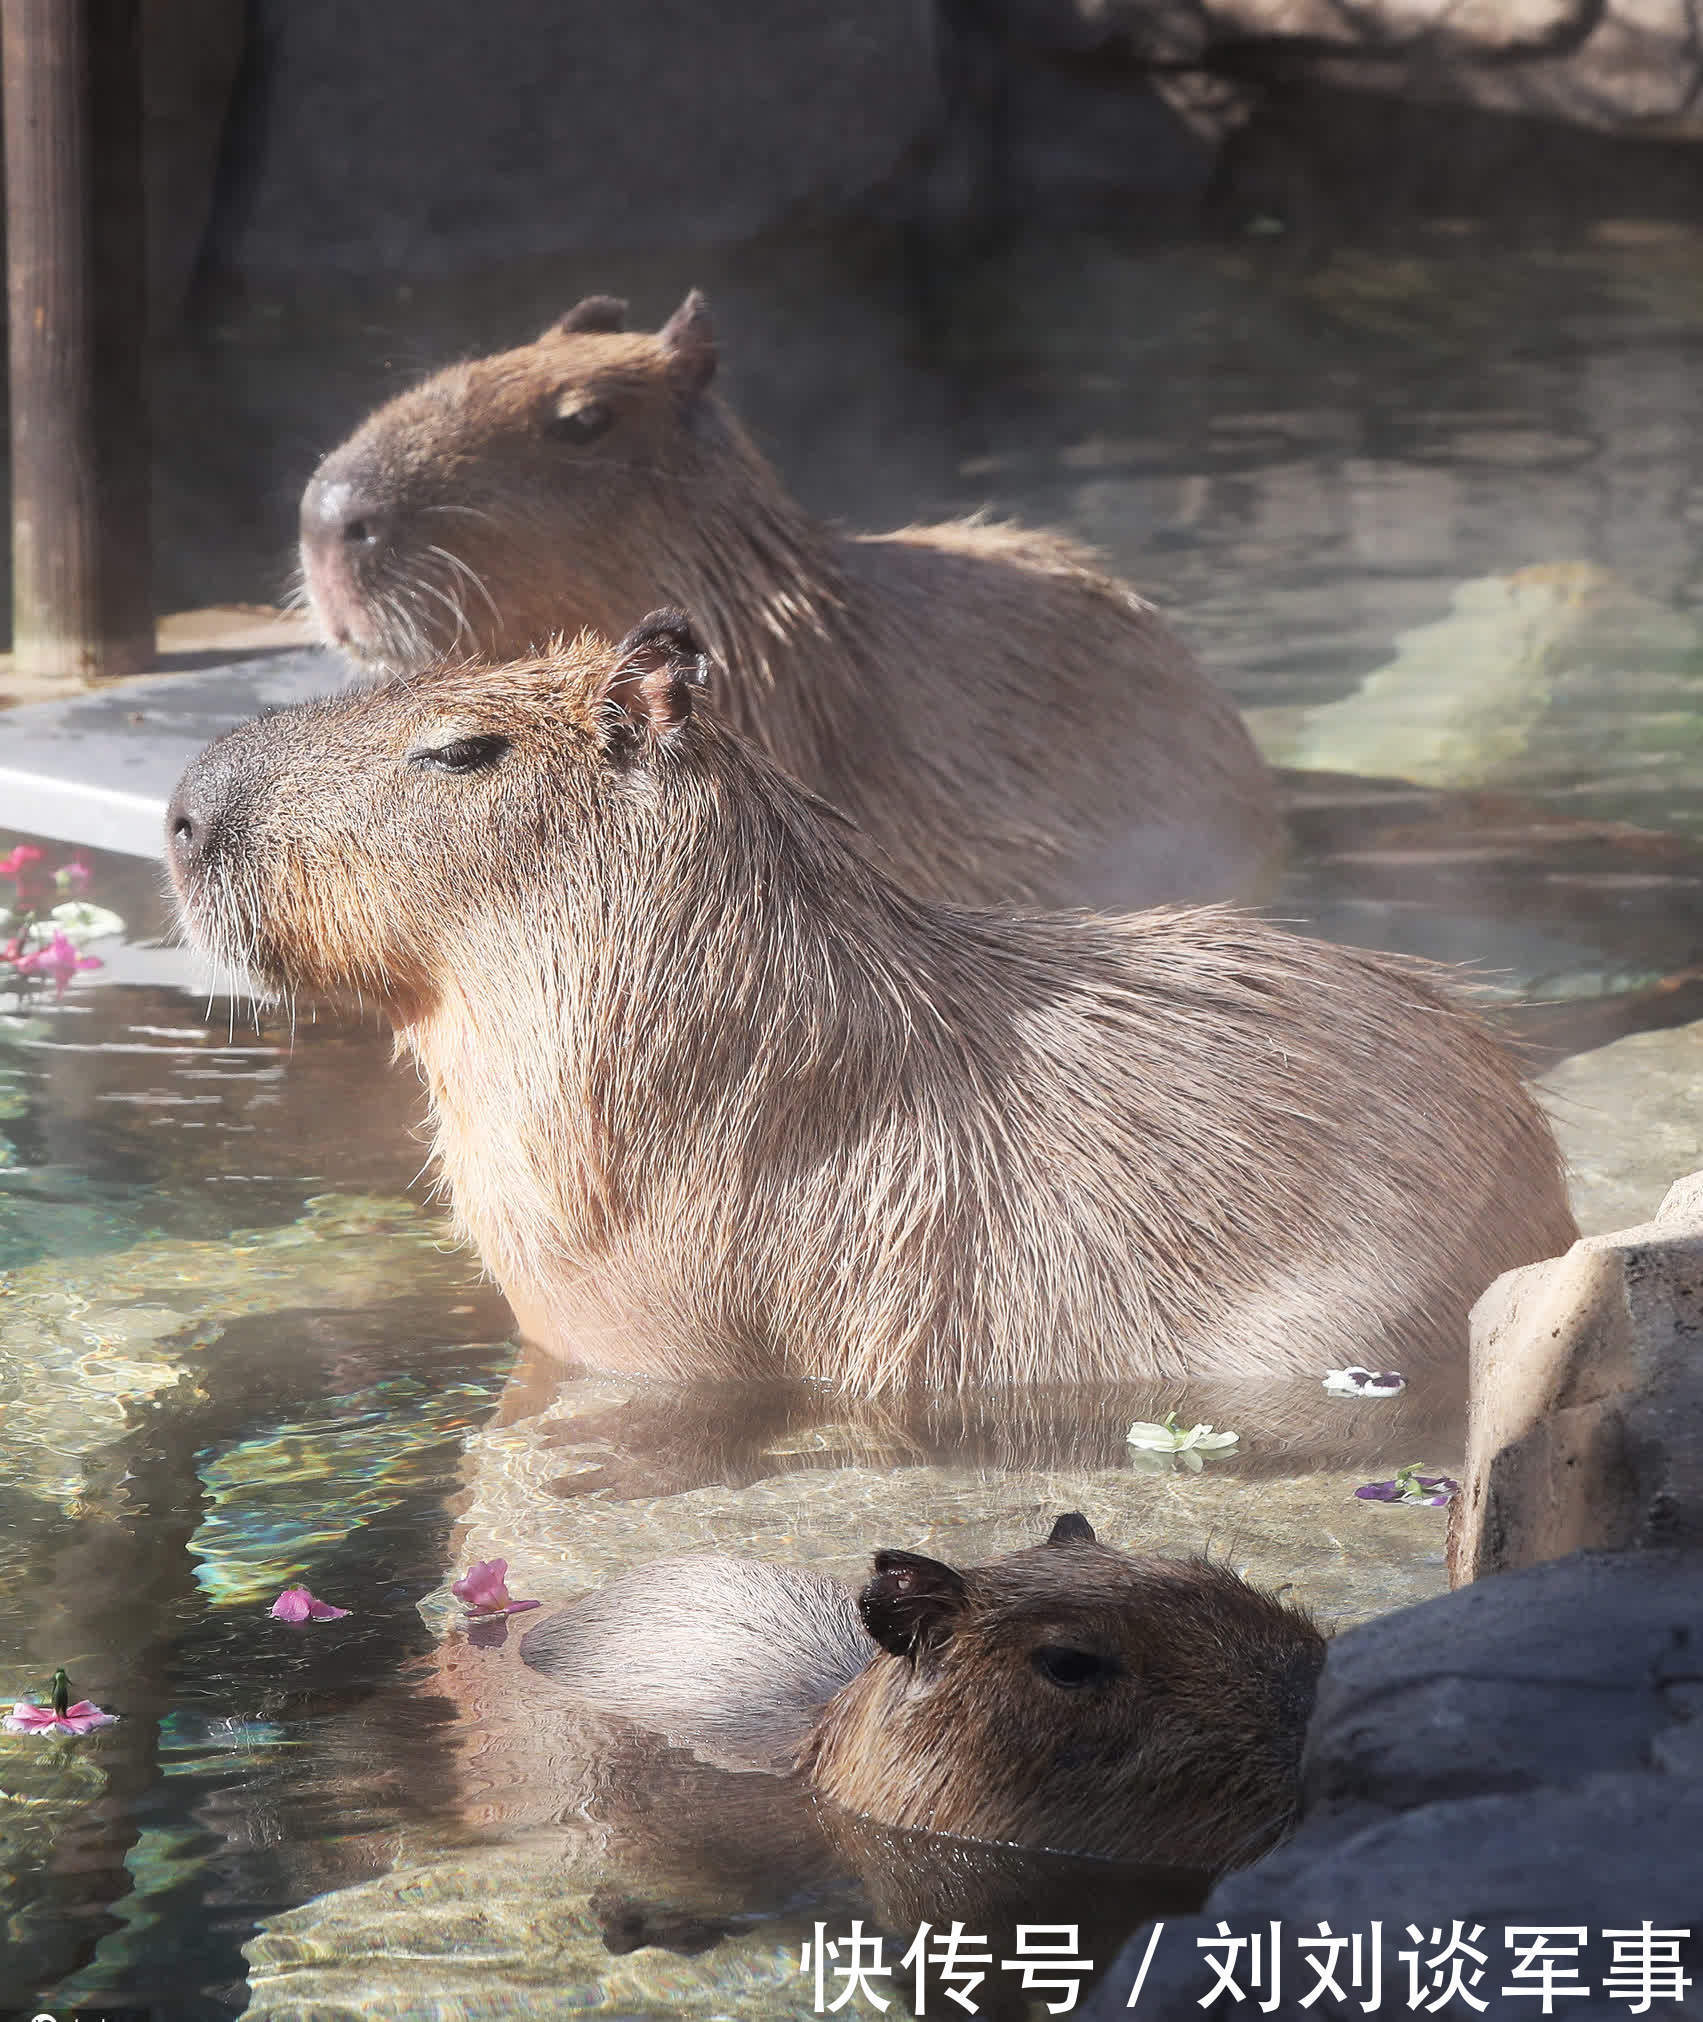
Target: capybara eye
(582, 423)
(466, 754)
(1059, 1664)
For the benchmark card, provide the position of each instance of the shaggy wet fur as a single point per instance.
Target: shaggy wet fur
(998, 715)
(731, 1656)
(1067, 1696)
(714, 1097)
(1072, 1695)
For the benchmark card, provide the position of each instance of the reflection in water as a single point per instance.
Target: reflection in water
(645, 1874)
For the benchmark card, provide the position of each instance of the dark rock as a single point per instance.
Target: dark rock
(1606, 1854)
(1525, 1753)
(1529, 1679)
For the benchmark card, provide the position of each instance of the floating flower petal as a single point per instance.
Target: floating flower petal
(1358, 1382)
(1172, 1438)
(296, 1604)
(78, 921)
(59, 959)
(483, 1590)
(28, 1718)
(1410, 1486)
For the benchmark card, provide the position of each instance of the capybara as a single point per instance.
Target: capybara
(714, 1097)
(667, 1845)
(1068, 1696)
(999, 716)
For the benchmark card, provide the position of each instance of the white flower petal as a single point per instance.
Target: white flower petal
(79, 922)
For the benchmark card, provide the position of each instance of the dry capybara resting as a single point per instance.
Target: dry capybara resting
(1068, 1696)
(714, 1097)
(1000, 717)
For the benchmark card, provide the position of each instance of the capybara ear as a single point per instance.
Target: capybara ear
(910, 1605)
(658, 665)
(596, 312)
(1073, 1529)
(688, 342)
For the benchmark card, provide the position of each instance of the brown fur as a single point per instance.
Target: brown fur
(1068, 1696)
(1002, 718)
(1073, 1696)
(715, 1098)
(678, 1849)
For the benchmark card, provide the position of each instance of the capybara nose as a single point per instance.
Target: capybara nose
(193, 816)
(186, 826)
(337, 511)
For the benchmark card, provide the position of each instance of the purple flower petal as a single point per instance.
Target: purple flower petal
(26, 1717)
(484, 1586)
(1413, 1488)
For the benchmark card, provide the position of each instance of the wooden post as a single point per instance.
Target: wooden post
(77, 298)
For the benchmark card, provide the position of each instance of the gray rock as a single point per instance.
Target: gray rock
(1631, 65)
(1526, 1752)
(1562, 1671)
(1586, 1420)
(1482, 696)
(1600, 1855)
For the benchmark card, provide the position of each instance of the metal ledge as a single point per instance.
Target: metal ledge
(99, 768)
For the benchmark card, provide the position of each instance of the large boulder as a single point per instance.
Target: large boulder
(1522, 1754)
(1628, 1116)
(1585, 1426)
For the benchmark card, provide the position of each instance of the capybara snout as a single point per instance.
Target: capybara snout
(364, 846)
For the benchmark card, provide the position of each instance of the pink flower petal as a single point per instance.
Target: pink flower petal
(483, 1590)
(84, 1715)
(483, 1585)
(28, 1718)
(296, 1604)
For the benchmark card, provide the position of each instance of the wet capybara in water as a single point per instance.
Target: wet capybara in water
(1068, 1696)
(714, 1097)
(1003, 720)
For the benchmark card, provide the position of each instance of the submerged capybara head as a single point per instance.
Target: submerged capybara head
(513, 497)
(1077, 1697)
(377, 845)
